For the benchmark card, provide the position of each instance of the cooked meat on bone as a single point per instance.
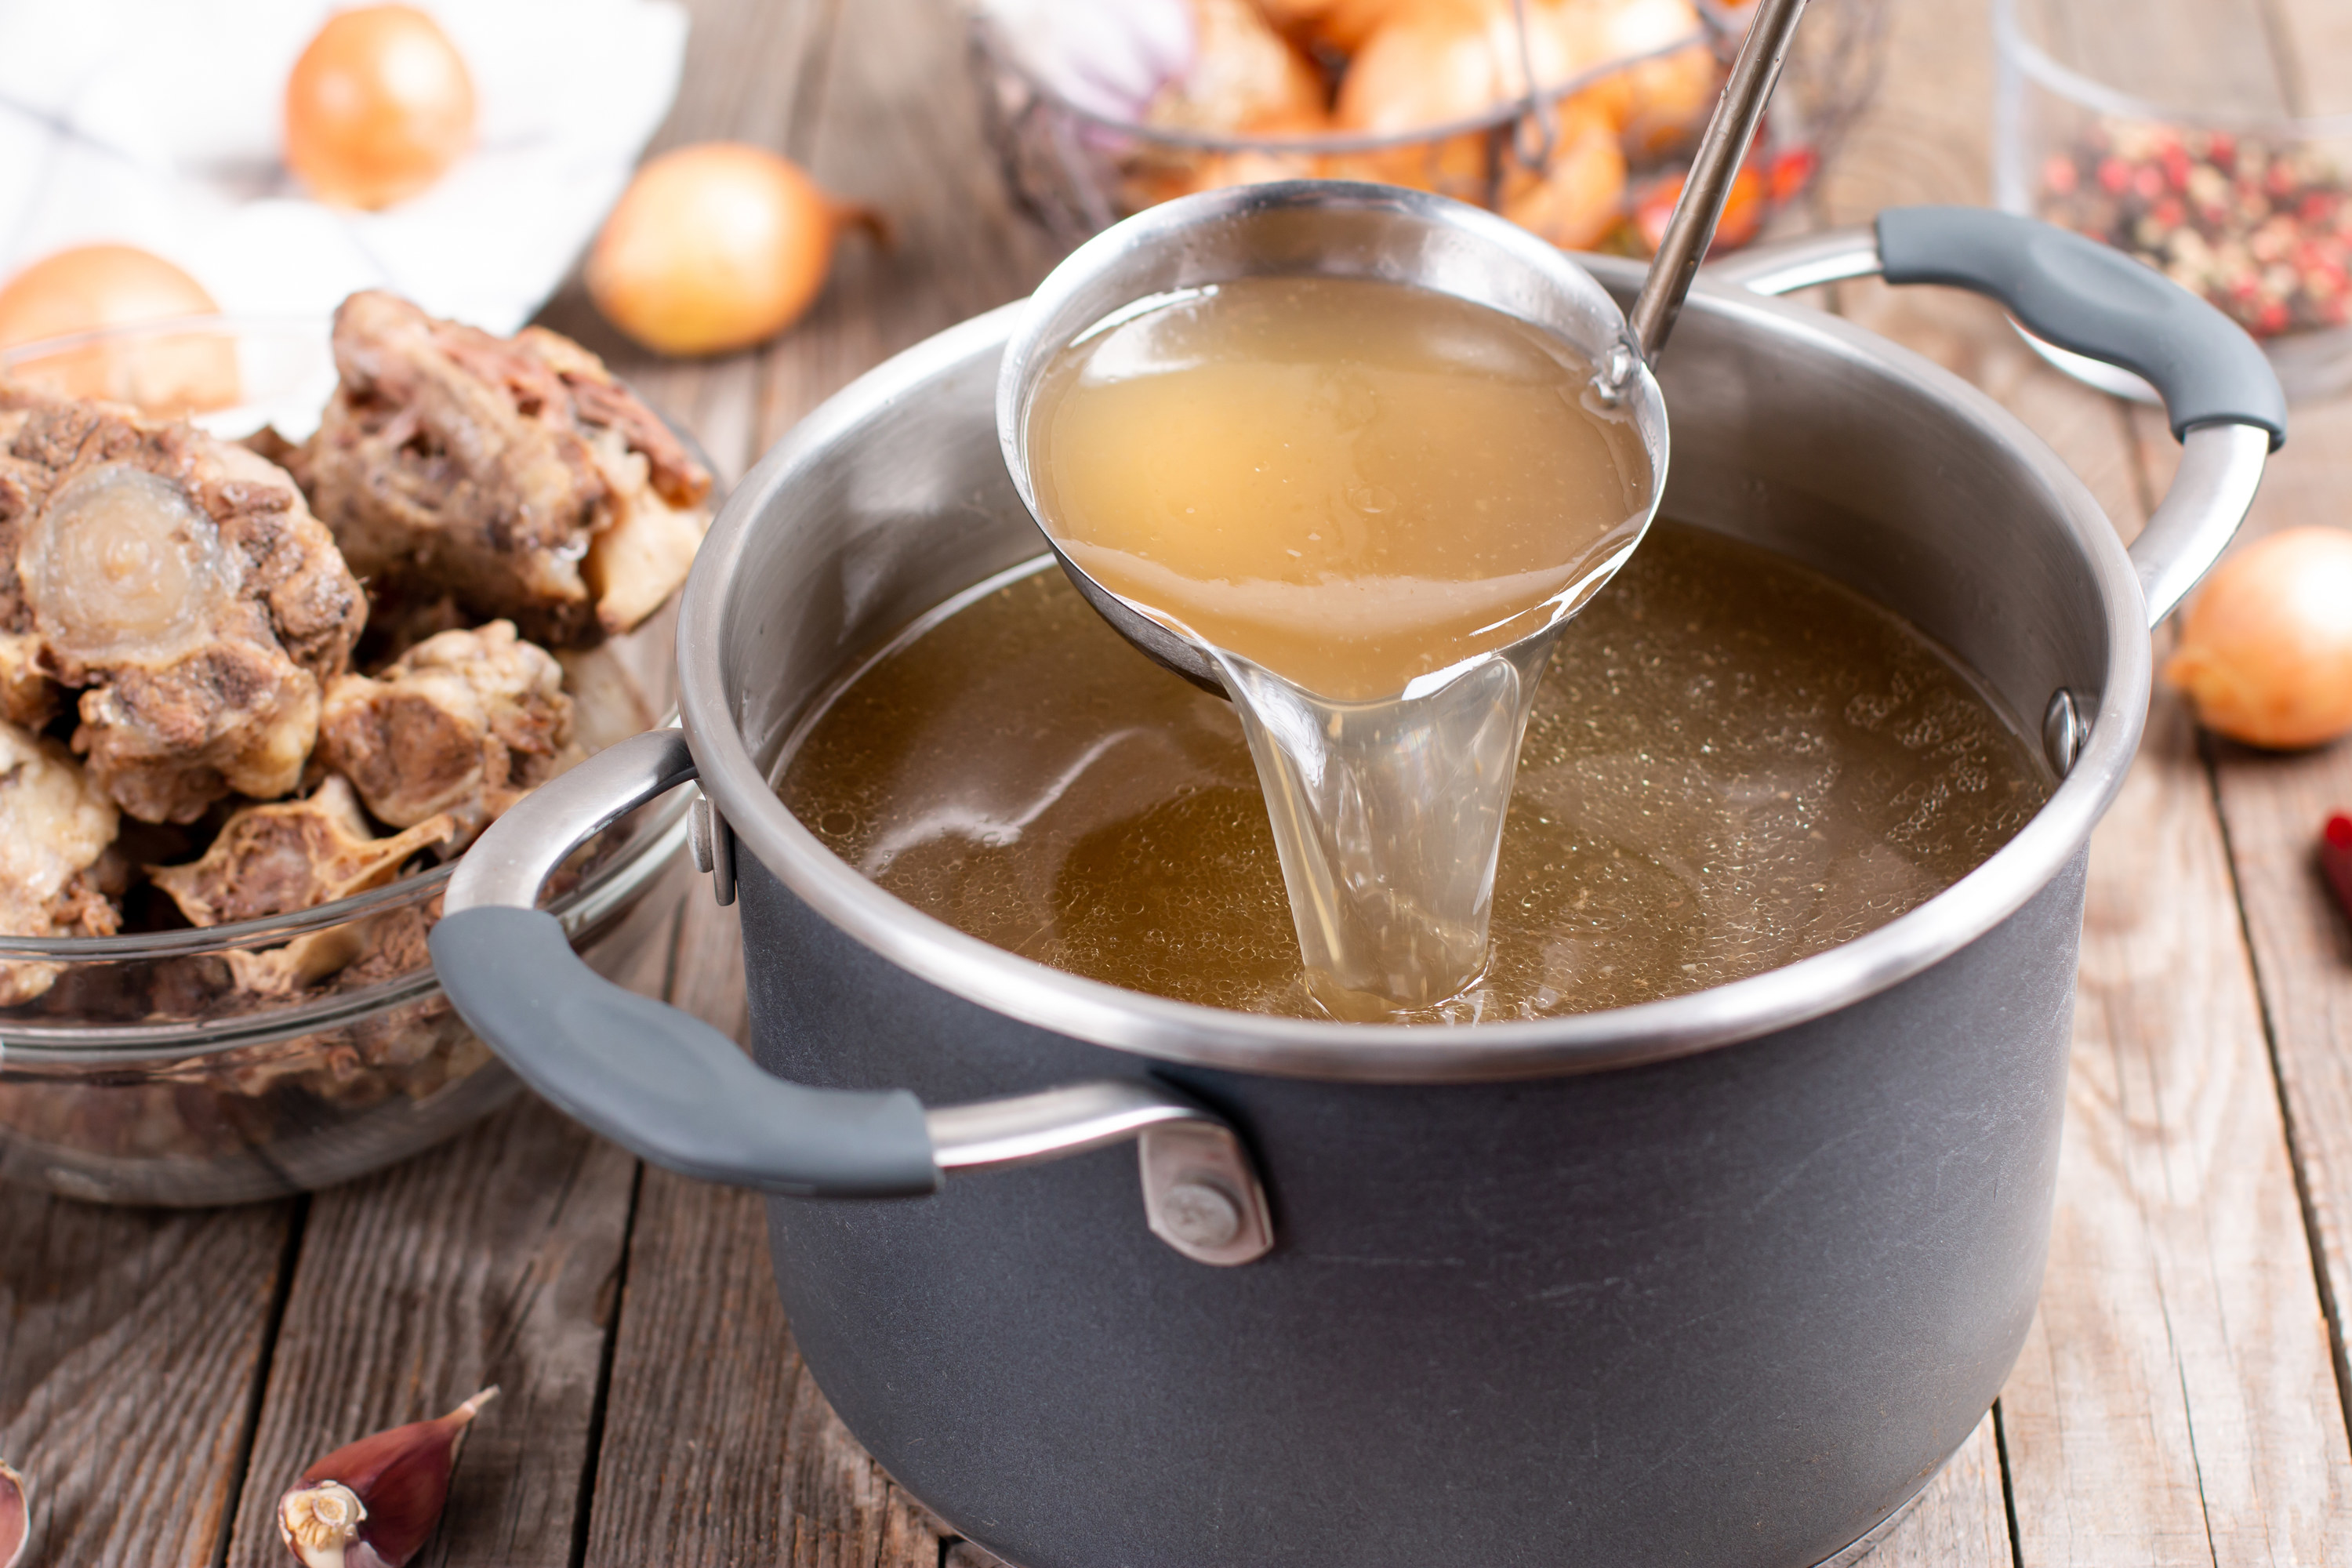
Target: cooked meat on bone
(183, 583)
(466, 723)
(54, 833)
(291, 856)
(514, 474)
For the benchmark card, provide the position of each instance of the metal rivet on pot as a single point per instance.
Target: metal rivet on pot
(2064, 730)
(713, 846)
(1199, 1214)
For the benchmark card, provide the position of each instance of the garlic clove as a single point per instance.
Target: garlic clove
(375, 1503)
(16, 1516)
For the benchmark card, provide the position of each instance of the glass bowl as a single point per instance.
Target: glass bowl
(1077, 170)
(142, 1072)
(2182, 151)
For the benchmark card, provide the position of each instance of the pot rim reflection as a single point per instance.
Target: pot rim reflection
(738, 784)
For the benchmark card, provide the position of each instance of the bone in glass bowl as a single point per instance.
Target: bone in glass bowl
(136, 1075)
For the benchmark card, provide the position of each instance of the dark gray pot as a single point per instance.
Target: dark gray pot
(1716, 1281)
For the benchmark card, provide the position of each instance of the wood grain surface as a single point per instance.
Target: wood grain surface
(2180, 1400)
(132, 1348)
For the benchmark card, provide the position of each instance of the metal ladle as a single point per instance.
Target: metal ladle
(1328, 226)
(1388, 812)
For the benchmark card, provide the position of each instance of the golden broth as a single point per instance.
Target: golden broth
(1733, 763)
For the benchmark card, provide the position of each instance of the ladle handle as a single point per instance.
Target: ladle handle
(2220, 393)
(1722, 148)
(675, 1090)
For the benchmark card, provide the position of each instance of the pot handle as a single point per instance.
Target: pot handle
(2220, 393)
(672, 1089)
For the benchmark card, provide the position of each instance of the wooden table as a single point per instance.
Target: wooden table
(2181, 1397)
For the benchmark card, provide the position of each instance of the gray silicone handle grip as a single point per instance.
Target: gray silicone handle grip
(662, 1082)
(2083, 296)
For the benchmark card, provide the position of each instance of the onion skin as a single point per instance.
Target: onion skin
(1437, 62)
(91, 288)
(378, 107)
(715, 247)
(2265, 650)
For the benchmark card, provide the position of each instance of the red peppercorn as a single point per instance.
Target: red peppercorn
(2114, 175)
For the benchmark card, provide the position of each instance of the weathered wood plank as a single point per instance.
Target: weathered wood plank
(131, 1344)
(492, 1260)
(2177, 1402)
(729, 1454)
(2273, 806)
(719, 1449)
(900, 128)
(2174, 1401)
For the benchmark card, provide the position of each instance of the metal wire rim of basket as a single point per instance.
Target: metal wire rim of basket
(1860, 33)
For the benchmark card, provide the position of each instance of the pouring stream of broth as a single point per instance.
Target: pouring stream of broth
(1374, 505)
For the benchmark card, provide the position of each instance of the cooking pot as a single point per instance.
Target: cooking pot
(1720, 1279)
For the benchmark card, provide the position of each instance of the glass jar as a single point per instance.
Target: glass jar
(2172, 133)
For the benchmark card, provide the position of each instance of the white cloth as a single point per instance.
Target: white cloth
(157, 124)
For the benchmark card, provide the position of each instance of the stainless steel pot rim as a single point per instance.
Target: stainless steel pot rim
(1186, 1033)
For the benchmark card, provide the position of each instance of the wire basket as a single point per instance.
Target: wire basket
(1542, 158)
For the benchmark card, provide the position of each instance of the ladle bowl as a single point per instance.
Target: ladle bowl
(1325, 228)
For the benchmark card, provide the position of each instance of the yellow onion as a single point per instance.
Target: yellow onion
(2265, 649)
(715, 247)
(1341, 24)
(1244, 77)
(1581, 195)
(1442, 61)
(378, 107)
(1658, 101)
(89, 288)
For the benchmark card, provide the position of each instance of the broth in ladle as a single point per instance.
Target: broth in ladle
(1370, 503)
(1733, 763)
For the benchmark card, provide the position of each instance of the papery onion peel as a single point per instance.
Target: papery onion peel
(2265, 650)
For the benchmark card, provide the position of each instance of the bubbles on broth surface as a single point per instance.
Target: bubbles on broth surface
(1733, 763)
